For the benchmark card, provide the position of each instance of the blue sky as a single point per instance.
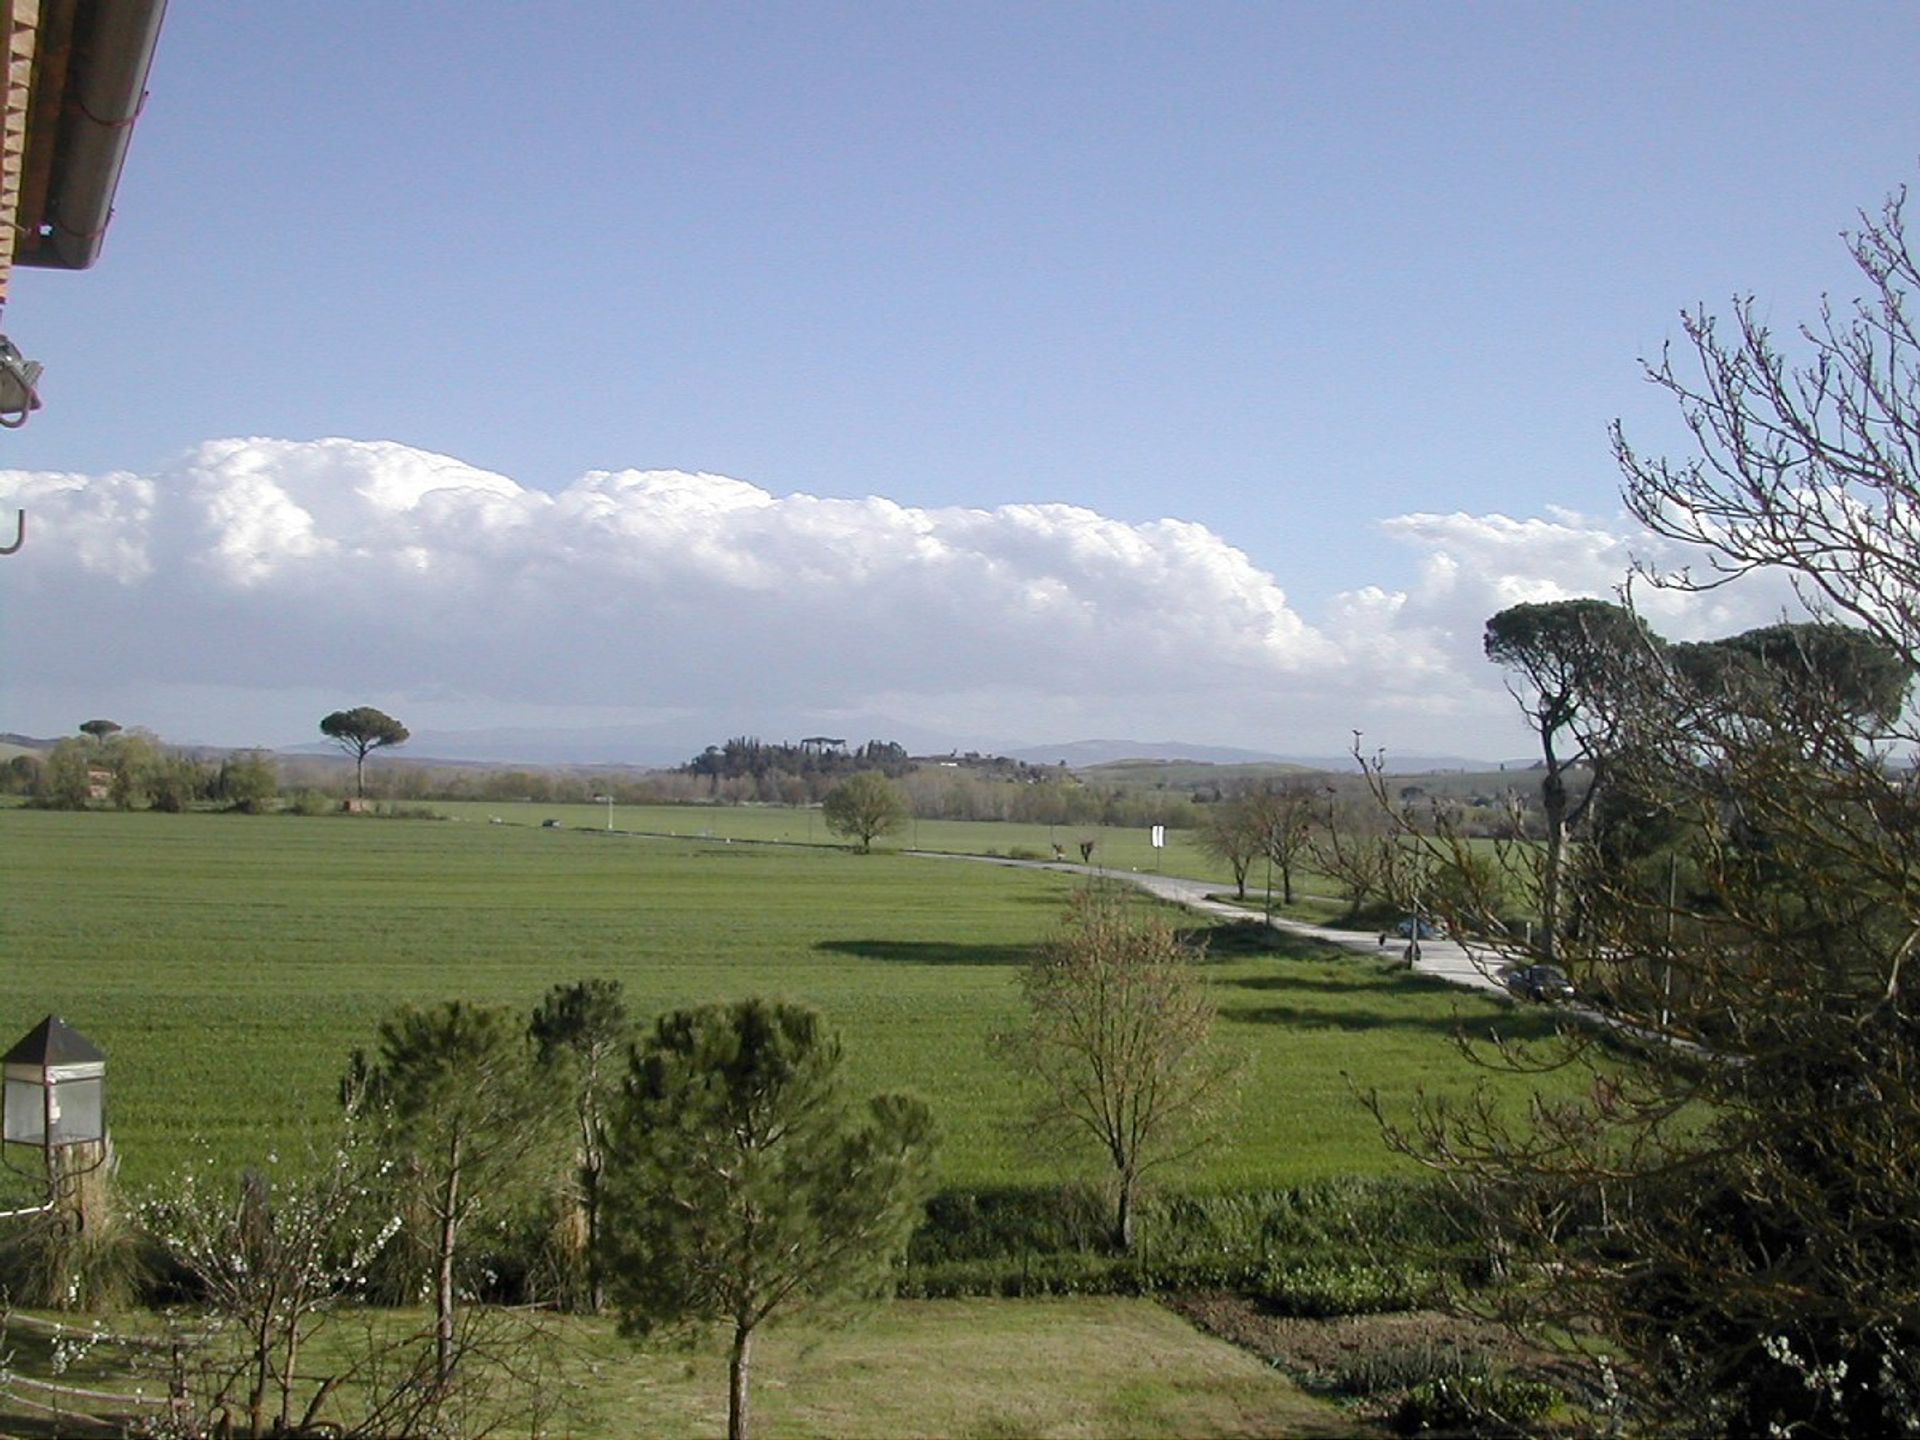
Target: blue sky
(1289, 273)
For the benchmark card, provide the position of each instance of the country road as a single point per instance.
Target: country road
(1443, 959)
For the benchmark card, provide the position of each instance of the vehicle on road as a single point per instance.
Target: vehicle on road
(1538, 982)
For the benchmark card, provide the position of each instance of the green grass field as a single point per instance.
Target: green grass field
(954, 1368)
(1120, 848)
(227, 964)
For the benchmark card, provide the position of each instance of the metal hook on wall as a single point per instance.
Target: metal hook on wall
(20, 534)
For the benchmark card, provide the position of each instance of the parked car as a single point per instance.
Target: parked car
(1405, 929)
(1539, 982)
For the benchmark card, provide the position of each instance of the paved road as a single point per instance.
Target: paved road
(1444, 959)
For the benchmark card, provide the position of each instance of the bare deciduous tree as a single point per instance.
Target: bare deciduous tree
(1230, 832)
(1120, 1040)
(1734, 1204)
(1285, 816)
(1353, 845)
(273, 1256)
(1806, 465)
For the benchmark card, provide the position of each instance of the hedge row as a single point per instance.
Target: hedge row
(1339, 1247)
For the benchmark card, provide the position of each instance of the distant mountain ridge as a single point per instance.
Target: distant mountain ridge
(1077, 753)
(1081, 754)
(27, 742)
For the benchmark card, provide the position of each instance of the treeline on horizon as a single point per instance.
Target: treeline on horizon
(134, 769)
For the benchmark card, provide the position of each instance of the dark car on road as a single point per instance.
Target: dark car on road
(1538, 982)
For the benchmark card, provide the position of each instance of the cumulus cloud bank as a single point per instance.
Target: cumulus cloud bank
(372, 570)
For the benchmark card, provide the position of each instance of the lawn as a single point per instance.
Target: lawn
(954, 1368)
(228, 964)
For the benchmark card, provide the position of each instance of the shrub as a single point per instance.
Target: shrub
(1067, 1274)
(1367, 1211)
(1316, 1246)
(396, 810)
(1396, 1368)
(1478, 1405)
(1320, 1287)
(1009, 1223)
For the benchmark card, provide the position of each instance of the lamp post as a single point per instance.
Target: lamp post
(54, 1081)
(609, 799)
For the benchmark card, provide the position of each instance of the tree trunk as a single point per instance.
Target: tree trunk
(1123, 1215)
(1553, 801)
(443, 1278)
(263, 1368)
(737, 1368)
(286, 1374)
(596, 1282)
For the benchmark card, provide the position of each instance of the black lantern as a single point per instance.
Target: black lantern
(53, 1081)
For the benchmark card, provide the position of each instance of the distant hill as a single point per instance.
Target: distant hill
(1200, 776)
(1085, 754)
(1079, 754)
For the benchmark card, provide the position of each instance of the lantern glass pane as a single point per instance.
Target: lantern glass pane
(26, 1120)
(76, 1112)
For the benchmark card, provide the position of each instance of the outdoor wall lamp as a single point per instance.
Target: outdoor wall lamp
(53, 1080)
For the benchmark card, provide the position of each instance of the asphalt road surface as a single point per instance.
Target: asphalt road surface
(1447, 960)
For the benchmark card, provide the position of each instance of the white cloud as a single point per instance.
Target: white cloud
(373, 570)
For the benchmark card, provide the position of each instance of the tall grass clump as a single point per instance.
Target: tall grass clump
(81, 1253)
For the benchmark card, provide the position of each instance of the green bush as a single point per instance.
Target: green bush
(1371, 1212)
(1477, 1405)
(1324, 1286)
(1315, 1247)
(399, 810)
(1013, 1220)
(1394, 1369)
(1010, 1223)
(1068, 1274)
